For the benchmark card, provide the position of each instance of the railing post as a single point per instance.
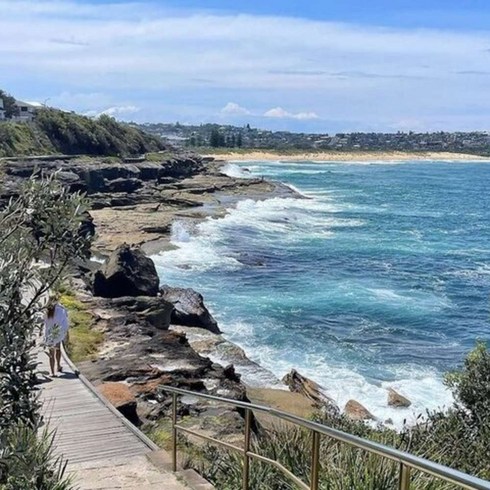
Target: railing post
(315, 460)
(404, 478)
(246, 449)
(174, 432)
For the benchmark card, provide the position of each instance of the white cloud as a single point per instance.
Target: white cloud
(280, 113)
(180, 64)
(234, 109)
(113, 111)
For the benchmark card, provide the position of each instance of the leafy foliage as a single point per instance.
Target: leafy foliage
(44, 222)
(55, 131)
(9, 104)
(471, 385)
(27, 461)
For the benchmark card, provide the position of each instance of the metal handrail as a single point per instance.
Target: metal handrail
(406, 461)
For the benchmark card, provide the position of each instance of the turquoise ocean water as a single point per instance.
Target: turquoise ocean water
(379, 277)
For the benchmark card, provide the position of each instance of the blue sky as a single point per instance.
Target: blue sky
(320, 66)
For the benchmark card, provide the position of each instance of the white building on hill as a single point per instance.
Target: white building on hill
(27, 111)
(2, 110)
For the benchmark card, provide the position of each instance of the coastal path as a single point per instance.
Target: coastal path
(102, 449)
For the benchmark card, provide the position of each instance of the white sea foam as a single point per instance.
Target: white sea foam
(236, 171)
(195, 251)
(423, 386)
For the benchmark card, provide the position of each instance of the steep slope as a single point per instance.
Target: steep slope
(55, 131)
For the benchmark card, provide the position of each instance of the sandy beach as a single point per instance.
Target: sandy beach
(336, 156)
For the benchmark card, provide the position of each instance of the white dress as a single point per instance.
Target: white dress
(56, 327)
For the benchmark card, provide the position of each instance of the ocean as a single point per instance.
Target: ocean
(379, 277)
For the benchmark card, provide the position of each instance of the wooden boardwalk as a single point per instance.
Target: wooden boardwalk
(101, 449)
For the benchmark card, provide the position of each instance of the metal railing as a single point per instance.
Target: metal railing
(407, 462)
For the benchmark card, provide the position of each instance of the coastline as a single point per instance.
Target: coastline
(144, 216)
(336, 156)
(205, 195)
(209, 195)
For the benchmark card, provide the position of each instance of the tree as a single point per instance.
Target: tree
(9, 104)
(471, 384)
(215, 138)
(239, 140)
(45, 221)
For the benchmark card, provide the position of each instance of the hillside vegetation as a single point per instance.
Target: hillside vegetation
(55, 131)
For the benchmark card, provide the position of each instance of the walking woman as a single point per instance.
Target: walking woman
(55, 332)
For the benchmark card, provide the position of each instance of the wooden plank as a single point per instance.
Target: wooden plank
(85, 428)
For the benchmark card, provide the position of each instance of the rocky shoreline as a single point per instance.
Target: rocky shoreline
(144, 349)
(159, 336)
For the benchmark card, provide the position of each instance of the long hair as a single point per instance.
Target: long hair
(51, 309)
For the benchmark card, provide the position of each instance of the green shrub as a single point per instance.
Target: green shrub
(471, 385)
(44, 220)
(27, 460)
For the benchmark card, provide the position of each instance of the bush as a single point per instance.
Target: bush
(45, 220)
(27, 460)
(55, 131)
(471, 385)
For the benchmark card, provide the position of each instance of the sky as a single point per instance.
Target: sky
(309, 66)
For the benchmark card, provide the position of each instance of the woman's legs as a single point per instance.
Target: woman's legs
(52, 360)
(58, 356)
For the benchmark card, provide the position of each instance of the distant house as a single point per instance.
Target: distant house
(26, 111)
(2, 111)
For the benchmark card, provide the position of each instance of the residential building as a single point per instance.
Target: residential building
(2, 110)
(26, 112)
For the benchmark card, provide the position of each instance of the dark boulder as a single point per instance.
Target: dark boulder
(128, 272)
(154, 310)
(189, 308)
(123, 185)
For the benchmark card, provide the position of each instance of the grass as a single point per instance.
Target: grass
(159, 156)
(85, 339)
(161, 433)
(341, 467)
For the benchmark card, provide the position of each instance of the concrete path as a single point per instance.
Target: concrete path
(101, 449)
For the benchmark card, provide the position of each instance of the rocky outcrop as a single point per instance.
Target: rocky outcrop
(153, 310)
(355, 411)
(146, 359)
(189, 308)
(103, 175)
(120, 396)
(128, 272)
(397, 400)
(298, 383)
